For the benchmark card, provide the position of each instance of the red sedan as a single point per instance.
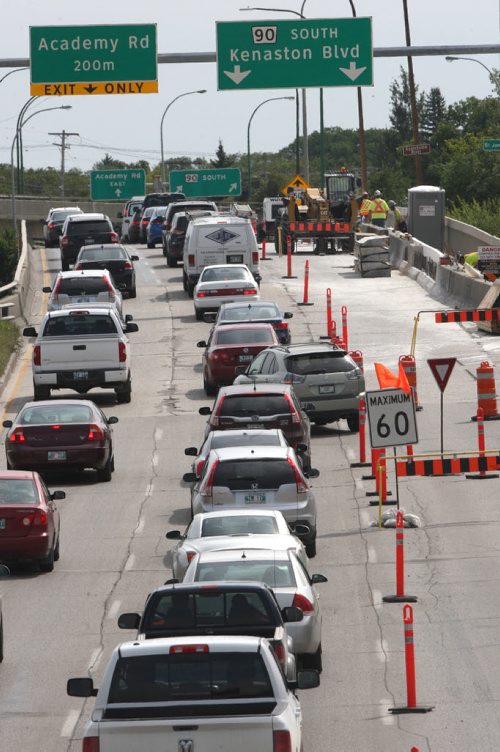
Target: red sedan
(229, 347)
(60, 435)
(29, 520)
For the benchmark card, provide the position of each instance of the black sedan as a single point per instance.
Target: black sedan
(258, 312)
(113, 257)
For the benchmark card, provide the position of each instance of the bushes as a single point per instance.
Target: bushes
(483, 214)
(8, 256)
(9, 339)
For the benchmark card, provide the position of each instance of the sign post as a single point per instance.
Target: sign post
(110, 185)
(294, 54)
(441, 370)
(101, 59)
(226, 182)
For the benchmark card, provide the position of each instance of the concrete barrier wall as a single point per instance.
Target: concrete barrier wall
(460, 237)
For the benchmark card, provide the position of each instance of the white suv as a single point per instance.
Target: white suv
(94, 286)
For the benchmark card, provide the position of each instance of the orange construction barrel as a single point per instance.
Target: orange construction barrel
(486, 390)
(410, 369)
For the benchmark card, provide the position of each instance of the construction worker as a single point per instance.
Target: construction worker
(365, 207)
(393, 219)
(379, 209)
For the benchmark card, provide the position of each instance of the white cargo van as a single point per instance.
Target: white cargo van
(218, 240)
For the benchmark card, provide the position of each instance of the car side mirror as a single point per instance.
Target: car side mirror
(46, 289)
(174, 535)
(209, 317)
(301, 448)
(128, 318)
(135, 258)
(312, 473)
(241, 370)
(120, 215)
(112, 419)
(301, 530)
(189, 451)
(201, 343)
(189, 477)
(309, 406)
(316, 579)
(7, 424)
(58, 495)
(292, 614)
(172, 581)
(30, 331)
(308, 679)
(288, 315)
(131, 328)
(81, 687)
(129, 621)
(205, 411)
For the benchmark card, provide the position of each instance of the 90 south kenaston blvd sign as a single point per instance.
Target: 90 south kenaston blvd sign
(105, 59)
(294, 54)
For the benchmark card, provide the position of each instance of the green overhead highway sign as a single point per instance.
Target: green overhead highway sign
(106, 59)
(294, 54)
(491, 144)
(109, 185)
(199, 183)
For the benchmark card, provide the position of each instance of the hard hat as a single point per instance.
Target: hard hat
(365, 194)
(377, 194)
(392, 204)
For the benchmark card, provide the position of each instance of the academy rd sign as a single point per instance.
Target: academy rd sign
(294, 54)
(118, 59)
(109, 185)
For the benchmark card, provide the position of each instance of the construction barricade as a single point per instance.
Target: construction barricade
(486, 391)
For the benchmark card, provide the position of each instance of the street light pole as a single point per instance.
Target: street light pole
(169, 105)
(495, 82)
(19, 142)
(249, 157)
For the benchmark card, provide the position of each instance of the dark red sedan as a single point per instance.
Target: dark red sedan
(229, 347)
(57, 435)
(29, 519)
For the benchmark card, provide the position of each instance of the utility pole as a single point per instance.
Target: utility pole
(63, 135)
(413, 97)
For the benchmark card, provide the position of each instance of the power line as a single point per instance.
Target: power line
(63, 135)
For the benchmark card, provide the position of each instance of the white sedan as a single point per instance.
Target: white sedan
(233, 529)
(223, 283)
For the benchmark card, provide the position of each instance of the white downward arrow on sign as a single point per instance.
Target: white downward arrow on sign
(352, 72)
(237, 75)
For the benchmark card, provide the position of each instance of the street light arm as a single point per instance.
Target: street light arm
(169, 105)
(451, 58)
(271, 99)
(11, 72)
(279, 10)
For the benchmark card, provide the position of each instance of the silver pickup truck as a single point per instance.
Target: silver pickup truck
(192, 694)
(78, 348)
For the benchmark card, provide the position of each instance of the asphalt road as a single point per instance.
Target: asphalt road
(113, 547)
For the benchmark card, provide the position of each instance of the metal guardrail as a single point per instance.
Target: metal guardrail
(11, 287)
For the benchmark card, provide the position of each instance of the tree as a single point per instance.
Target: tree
(434, 112)
(109, 163)
(400, 115)
(221, 158)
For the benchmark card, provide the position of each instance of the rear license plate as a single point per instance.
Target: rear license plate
(235, 258)
(83, 300)
(257, 425)
(245, 358)
(80, 375)
(327, 389)
(255, 499)
(88, 241)
(2, 524)
(51, 456)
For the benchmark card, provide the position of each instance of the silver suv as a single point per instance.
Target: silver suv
(326, 380)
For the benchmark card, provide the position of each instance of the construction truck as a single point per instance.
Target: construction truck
(327, 218)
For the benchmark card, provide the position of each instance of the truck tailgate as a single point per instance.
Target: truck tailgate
(246, 733)
(79, 353)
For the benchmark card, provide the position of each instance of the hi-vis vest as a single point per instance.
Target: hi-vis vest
(365, 207)
(378, 210)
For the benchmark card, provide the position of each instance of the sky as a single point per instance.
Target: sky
(128, 126)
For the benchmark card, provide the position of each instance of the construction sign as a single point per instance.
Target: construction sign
(441, 370)
(296, 185)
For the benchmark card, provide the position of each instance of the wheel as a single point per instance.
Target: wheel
(311, 549)
(199, 314)
(112, 463)
(190, 289)
(132, 293)
(47, 564)
(41, 392)
(124, 394)
(104, 473)
(184, 281)
(313, 660)
(353, 422)
(56, 550)
(164, 248)
(171, 261)
(210, 390)
(150, 245)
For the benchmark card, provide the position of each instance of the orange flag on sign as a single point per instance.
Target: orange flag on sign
(388, 380)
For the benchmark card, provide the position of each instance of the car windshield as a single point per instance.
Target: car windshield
(254, 404)
(272, 573)
(180, 223)
(223, 274)
(244, 336)
(189, 677)
(60, 216)
(239, 525)
(133, 208)
(240, 475)
(17, 491)
(89, 228)
(79, 324)
(244, 313)
(55, 413)
(102, 254)
(249, 439)
(320, 362)
(82, 286)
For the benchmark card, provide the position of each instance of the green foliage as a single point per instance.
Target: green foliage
(400, 115)
(9, 342)
(221, 158)
(8, 256)
(468, 172)
(483, 214)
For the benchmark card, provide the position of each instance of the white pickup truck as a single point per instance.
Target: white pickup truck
(78, 348)
(192, 694)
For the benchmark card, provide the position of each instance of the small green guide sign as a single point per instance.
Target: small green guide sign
(225, 182)
(491, 144)
(294, 54)
(112, 185)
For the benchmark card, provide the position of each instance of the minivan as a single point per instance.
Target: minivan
(218, 240)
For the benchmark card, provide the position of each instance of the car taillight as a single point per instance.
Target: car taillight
(17, 437)
(136, 221)
(255, 258)
(250, 292)
(34, 519)
(300, 601)
(191, 259)
(293, 378)
(77, 267)
(65, 240)
(122, 352)
(190, 556)
(128, 265)
(90, 744)
(114, 238)
(37, 355)
(144, 221)
(207, 489)
(221, 355)
(299, 480)
(293, 411)
(178, 649)
(201, 295)
(279, 650)
(168, 226)
(282, 741)
(95, 433)
(177, 232)
(199, 467)
(215, 417)
(110, 288)
(50, 226)
(281, 325)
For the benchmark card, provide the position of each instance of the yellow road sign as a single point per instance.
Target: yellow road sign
(100, 87)
(296, 184)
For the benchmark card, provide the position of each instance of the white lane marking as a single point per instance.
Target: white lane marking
(387, 718)
(114, 608)
(70, 723)
(158, 434)
(129, 563)
(372, 555)
(350, 455)
(140, 526)
(359, 484)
